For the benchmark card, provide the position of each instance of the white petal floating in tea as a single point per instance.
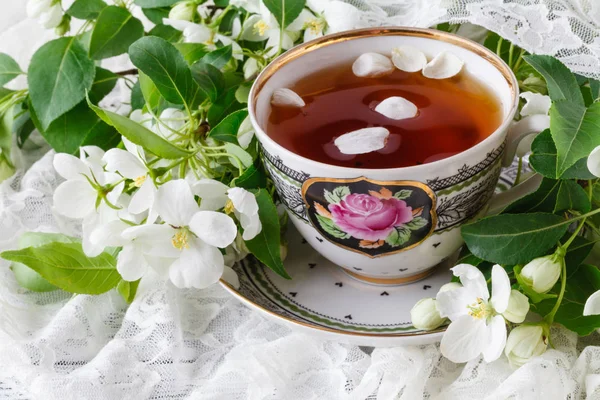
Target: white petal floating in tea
(372, 65)
(362, 141)
(287, 98)
(397, 108)
(444, 65)
(408, 58)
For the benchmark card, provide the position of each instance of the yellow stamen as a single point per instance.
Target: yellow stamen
(229, 207)
(139, 181)
(479, 310)
(260, 27)
(316, 25)
(180, 240)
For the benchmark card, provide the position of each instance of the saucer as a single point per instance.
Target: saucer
(323, 300)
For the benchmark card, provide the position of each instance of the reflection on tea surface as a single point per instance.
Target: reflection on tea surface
(454, 115)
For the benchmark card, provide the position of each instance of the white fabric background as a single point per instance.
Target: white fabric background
(190, 344)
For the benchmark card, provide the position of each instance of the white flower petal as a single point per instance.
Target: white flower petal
(535, 103)
(133, 148)
(250, 68)
(214, 228)
(143, 198)
(397, 108)
(496, 339)
(311, 34)
(362, 141)
(245, 133)
(212, 193)
(91, 154)
(593, 162)
(70, 167)
(500, 289)
(199, 266)
(131, 263)
(372, 65)
(251, 225)
(250, 31)
(472, 279)
(449, 286)
(298, 24)
(444, 65)
(518, 307)
(408, 58)
(341, 16)
(36, 7)
(153, 239)
(173, 118)
(109, 234)
(175, 202)
(122, 161)
(464, 340)
(52, 17)
(231, 277)
(287, 98)
(243, 201)
(75, 199)
(454, 303)
(592, 304)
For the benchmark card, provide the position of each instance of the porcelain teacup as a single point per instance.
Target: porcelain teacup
(425, 205)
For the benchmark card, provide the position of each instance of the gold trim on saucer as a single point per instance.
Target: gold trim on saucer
(416, 184)
(390, 281)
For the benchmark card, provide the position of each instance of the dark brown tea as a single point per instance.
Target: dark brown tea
(454, 115)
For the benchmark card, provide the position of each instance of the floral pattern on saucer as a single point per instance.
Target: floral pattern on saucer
(371, 217)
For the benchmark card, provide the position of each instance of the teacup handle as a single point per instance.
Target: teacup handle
(518, 131)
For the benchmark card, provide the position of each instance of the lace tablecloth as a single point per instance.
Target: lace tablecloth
(192, 344)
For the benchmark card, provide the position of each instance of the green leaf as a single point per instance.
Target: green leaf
(595, 89)
(155, 3)
(22, 128)
(561, 82)
(59, 74)
(209, 79)
(398, 236)
(580, 285)
(466, 257)
(149, 91)
(243, 92)
(266, 245)
(571, 196)
(336, 195)
(86, 9)
(140, 135)
(416, 223)
(137, 97)
(331, 228)
(227, 129)
(115, 30)
(127, 289)
(253, 178)
(240, 153)
(9, 69)
(403, 194)
(6, 126)
(166, 32)
(513, 238)
(81, 126)
(25, 276)
(543, 160)
(542, 200)
(285, 11)
(66, 266)
(575, 132)
(218, 58)
(191, 52)
(577, 252)
(156, 15)
(225, 105)
(491, 42)
(164, 64)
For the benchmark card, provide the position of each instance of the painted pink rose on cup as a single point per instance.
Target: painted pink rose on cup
(371, 216)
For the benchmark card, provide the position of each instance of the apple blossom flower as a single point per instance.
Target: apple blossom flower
(183, 11)
(535, 104)
(524, 343)
(542, 273)
(131, 164)
(425, 315)
(185, 246)
(52, 17)
(477, 324)
(264, 26)
(331, 16)
(592, 305)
